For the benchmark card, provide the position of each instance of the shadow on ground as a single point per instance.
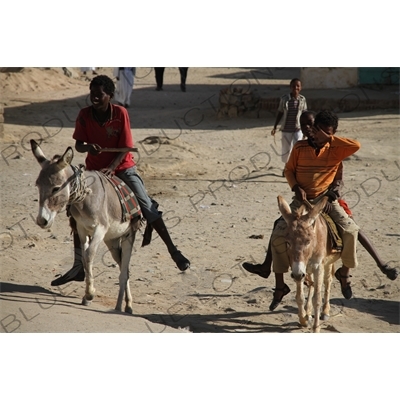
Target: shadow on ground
(385, 310)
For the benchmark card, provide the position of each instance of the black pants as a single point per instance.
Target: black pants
(183, 73)
(159, 76)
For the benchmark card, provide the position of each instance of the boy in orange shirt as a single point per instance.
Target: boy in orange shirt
(310, 172)
(264, 269)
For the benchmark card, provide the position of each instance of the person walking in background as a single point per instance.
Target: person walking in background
(125, 80)
(159, 77)
(183, 74)
(159, 72)
(290, 108)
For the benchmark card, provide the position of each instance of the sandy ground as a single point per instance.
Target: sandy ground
(216, 180)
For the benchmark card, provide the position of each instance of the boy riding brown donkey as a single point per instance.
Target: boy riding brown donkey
(264, 269)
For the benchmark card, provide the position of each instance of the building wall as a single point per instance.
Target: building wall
(378, 76)
(328, 78)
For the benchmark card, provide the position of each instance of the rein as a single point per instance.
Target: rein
(308, 204)
(78, 186)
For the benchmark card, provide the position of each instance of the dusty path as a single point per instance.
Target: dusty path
(216, 181)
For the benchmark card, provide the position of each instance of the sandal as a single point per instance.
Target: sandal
(346, 289)
(276, 300)
(390, 272)
(257, 269)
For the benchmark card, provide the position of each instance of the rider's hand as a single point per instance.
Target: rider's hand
(332, 196)
(108, 171)
(273, 132)
(320, 137)
(328, 207)
(299, 193)
(94, 149)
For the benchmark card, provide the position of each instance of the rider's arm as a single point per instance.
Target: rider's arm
(335, 189)
(82, 147)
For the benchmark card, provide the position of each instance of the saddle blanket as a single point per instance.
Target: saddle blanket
(336, 240)
(129, 203)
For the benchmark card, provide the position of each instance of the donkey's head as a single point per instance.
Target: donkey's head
(52, 183)
(301, 236)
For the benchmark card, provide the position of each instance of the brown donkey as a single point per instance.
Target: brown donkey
(311, 258)
(96, 208)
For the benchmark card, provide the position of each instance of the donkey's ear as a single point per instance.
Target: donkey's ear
(66, 158)
(313, 214)
(284, 209)
(37, 152)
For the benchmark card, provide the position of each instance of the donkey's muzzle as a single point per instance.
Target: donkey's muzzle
(297, 277)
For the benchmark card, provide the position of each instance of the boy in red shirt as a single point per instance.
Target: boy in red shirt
(107, 125)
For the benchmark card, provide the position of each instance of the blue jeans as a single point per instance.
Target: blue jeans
(134, 181)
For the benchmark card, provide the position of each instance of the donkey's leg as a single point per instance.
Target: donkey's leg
(317, 298)
(114, 246)
(126, 246)
(90, 248)
(115, 250)
(309, 307)
(300, 302)
(326, 308)
(85, 248)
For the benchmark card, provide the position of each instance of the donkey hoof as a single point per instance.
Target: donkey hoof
(324, 317)
(303, 322)
(128, 310)
(85, 301)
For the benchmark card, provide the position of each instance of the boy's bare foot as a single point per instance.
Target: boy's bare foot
(390, 272)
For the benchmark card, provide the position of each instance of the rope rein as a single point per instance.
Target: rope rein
(78, 186)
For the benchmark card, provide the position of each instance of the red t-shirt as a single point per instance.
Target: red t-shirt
(115, 133)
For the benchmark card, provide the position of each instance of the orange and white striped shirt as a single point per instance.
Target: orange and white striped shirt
(315, 173)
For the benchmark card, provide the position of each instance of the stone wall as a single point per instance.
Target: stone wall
(235, 101)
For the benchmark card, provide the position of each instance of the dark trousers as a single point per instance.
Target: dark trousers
(183, 73)
(159, 76)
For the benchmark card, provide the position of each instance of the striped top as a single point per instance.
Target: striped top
(284, 108)
(315, 173)
(291, 118)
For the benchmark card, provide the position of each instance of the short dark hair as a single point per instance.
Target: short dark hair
(308, 112)
(294, 80)
(105, 81)
(327, 118)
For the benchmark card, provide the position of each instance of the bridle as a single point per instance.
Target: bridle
(78, 186)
